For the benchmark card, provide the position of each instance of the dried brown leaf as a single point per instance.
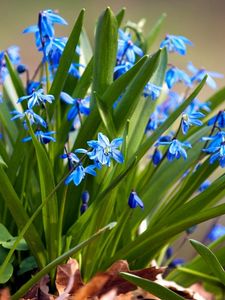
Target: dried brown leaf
(68, 273)
(4, 294)
(199, 288)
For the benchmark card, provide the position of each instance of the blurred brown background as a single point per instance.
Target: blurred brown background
(202, 21)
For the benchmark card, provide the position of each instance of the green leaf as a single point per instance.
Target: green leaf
(20, 217)
(153, 34)
(59, 260)
(85, 46)
(2, 162)
(7, 274)
(67, 57)
(17, 82)
(210, 259)
(47, 184)
(105, 52)
(129, 100)
(120, 16)
(106, 116)
(28, 264)
(151, 287)
(4, 234)
(22, 246)
(151, 140)
(92, 123)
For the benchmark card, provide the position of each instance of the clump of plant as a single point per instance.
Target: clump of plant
(97, 144)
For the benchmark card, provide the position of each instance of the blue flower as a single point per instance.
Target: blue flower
(156, 119)
(43, 137)
(152, 90)
(78, 105)
(219, 119)
(103, 150)
(14, 56)
(45, 28)
(190, 118)
(79, 174)
(36, 98)
(175, 75)
(134, 201)
(176, 149)
(31, 115)
(216, 148)
(176, 43)
(199, 74)
(85, 198)
(156, 157)
(126, 48)
(216, 232)
(122, 68)
(204, 186)
(198, 105)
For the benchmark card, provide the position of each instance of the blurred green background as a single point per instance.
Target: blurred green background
(202, 21)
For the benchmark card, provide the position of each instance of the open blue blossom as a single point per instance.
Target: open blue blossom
(176, 149)
(152, 90)
(134, 201)
(31, 115)
(218, 119)
(175, 75)
(43, 137)
(79, 174)
(78, 105)
(216, 148)
(36, 98)
(190, 118)
(126, 48)
(45, 28)
(103, 150)
(198, 105)
(122, 68)
(199, 74)
(176, 43)
(14, 56)
(217, 231)
(156, 119)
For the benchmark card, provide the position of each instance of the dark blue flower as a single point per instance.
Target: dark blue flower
(85, 198)
(176, 262)
(156, 157)
(103, 150)
(176, 43)
(175, 75)
(78, 105)
(216, 148)
(204, 185)
(36, 98)
(122, 68)
(31, 115)
(126, 48)
(43, 137)
(218, 119)
(176, 149)
(156, 119)
(216, 232)
(152, 90)
(134, 201)
(199, 74)
(190, 118)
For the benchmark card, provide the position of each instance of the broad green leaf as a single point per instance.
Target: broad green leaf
(105, 52)
(28, 264)
(20, 217)
(153, 34)
(50, 211)
(129, 100)
(17, 82)
(7, 274)
(22, 246)
(106, 116)
(67, 57)
(92, 123)
(59, 260)
(85, 47)
(120, 16)
(4, 234)
(210, 259)
(151, 287)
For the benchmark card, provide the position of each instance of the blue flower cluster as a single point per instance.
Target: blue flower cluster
(100, 151)
(192, 115)
(14, 56)
(37, 98)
